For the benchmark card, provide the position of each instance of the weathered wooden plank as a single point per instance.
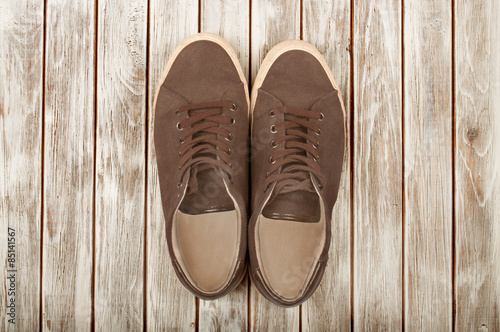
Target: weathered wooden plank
(169, 305)
(230, 20)
(377, 166)
(266, 316)
(327, 24)
(477, 165)
(272, 22)
(120, 165)
(228, 313)
(69, 165)
(21, 93)
(428, 165)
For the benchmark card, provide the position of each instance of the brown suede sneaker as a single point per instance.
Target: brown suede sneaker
(201, 141)
(298, 142)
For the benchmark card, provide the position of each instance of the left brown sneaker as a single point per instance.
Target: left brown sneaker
(298, 142)
(201, 139)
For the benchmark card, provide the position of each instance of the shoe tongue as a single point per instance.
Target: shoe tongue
(294, 200)
(299, 205)
(206, 193)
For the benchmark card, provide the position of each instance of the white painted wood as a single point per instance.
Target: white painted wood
(272, 22)
(169, 305)
(377, 166)
(69, 166)
(428, 165)
(230, 20)
(21, 93)
(120, 179)
(266, 316)
(120, 165)
(228, 313)
(326, 24)
(477, 165)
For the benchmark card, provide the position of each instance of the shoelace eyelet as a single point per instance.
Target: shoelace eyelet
(177, 112)
(297, 118)
(230, 151)
(204, 123)
(179, 185)
(230, 138)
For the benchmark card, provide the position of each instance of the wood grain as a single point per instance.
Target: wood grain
(403, 197)
(230, 20)
(21, 93)
(327, 24)
(228, 313)
(169, 305)
(69, 166)
(120, 165)
(477, 165)
(428, 165)
(272, 22)
(377, 166)
(266, 316)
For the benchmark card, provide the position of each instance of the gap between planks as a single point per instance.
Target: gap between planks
(94, 192)
(453, 176)
(42, 180)
(403, 203)
(146, 168)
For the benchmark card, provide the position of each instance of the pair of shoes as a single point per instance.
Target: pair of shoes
(201, 132)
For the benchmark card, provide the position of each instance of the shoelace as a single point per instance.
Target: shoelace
(201, 135)
(300, 155)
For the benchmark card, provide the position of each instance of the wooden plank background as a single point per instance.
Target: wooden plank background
(377, 165)
(477, 164)
(69, 165)
(22, 36)
(428, 169)
(416, 228)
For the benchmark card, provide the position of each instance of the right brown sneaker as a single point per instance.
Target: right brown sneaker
(201, 142)
(298, 142)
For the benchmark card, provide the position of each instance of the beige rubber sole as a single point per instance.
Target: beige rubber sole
(197, 37)
(274, 53)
